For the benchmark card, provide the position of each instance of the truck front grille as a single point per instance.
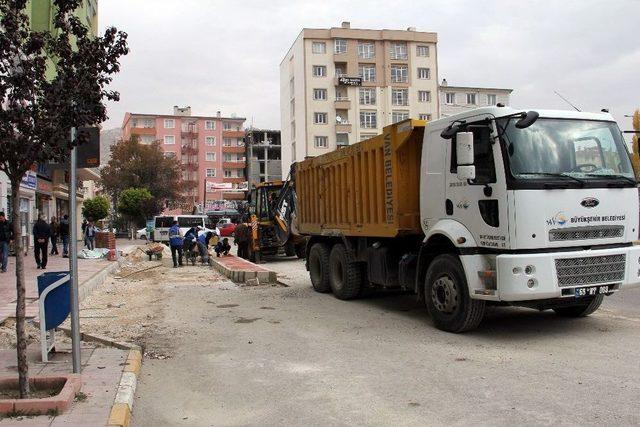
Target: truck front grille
(586, 233)
(590, 270)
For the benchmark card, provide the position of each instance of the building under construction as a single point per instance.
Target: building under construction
(263, 156)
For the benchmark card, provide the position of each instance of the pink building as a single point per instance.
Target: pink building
(210, 150)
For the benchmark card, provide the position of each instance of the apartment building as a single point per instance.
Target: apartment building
(341, 85)
(456, 99)
(210, 150)
(263, 156)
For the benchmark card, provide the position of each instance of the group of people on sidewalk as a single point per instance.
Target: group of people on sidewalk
(43, 233)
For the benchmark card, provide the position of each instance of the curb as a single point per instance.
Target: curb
(120, 415)
(242, 276)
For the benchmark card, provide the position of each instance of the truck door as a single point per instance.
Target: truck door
(480, 204)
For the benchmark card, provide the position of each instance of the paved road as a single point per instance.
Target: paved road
(290, 356)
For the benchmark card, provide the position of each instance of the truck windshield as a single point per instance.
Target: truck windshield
(582, 149)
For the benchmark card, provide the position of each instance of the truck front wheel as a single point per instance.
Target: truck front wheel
(345, 275)
(447, 296)
(581, 310)
(319, 267)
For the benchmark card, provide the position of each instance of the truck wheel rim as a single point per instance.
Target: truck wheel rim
(444, 295)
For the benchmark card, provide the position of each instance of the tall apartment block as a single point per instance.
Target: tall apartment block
(210, 150)
(341, 85)
(457, 99)
(263, 156)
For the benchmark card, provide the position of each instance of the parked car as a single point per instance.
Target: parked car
(142, 234)
(227, 229)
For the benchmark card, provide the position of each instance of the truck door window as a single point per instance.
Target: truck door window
(483, 155)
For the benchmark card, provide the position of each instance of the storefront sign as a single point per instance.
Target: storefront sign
(44, 186)
(350, 81)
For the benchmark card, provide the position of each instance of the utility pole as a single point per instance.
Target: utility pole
(73, 258)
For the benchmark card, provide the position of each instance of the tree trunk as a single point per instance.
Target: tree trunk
(21, 337)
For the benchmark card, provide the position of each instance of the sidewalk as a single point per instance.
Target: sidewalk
(101, 372)
(87, 268)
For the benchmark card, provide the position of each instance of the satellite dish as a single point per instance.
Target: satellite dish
(339, 119)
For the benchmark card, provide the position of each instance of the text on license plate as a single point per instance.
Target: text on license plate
(592, 290)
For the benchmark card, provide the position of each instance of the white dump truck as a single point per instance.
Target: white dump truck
(490, 206)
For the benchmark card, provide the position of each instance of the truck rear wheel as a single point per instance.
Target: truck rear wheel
(345, 275)
(319, 267)
(581, 310)
(447, 296)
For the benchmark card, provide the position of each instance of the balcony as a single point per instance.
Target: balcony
(234, 165)
(233, 134)
(143, 131)
(343, 127)
(189, 149)
(235, 180)
(189, 166)
(190, 132)
(233, 149)
(342, 103)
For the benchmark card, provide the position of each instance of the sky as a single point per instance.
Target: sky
(225, 55)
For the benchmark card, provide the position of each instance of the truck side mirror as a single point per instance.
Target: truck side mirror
(464, 154)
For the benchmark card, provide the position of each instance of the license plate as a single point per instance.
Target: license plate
(592, 290)
(164, 232)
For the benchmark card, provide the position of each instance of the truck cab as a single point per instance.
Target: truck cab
(544, 212)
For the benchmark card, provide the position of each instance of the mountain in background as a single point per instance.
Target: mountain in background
(108, 138)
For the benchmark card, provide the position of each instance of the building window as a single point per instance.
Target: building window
(399, 74)
(226, 157)
(367, 72)
(227, 173)
(340, 46)
(319, 47)
(471, 98)
(210, 125)
(211, 157)
(492, 99)
(424, 96)
(423, 116)
(320, 94)
(226, 142)
(319, 71)
(367, 96)
(424, 73)
(321, 141)
(320, 118)
(398, 116)
(398, 50)
(450, 98)
(240, 173)
(364, 136)
(366, 50)
(170, 154)
(341, 95)
(422, 50)
(368, 119)
(169, 123)
(399, 96)
(210, 140)
(169, 139)
(211, 173)
(146, 139)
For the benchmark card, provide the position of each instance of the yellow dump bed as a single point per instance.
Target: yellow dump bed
(366, 189)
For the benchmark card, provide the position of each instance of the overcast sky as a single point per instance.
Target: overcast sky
(225, 55)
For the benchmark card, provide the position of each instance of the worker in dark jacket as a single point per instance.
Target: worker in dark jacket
(55, 232)
(223, 247)
(175, 242)
(242, 238)
(6, 237)
(41, 235)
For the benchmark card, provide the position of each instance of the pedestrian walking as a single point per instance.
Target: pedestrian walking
(41, 236)
(90, 235)
(83, 226)
(6, 237)
(55, 232)
(175, 242)
(242, 238)
(64, 235)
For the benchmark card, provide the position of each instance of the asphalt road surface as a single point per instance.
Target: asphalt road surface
(290, 356)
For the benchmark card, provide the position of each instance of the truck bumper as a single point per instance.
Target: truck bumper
(557, 274)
